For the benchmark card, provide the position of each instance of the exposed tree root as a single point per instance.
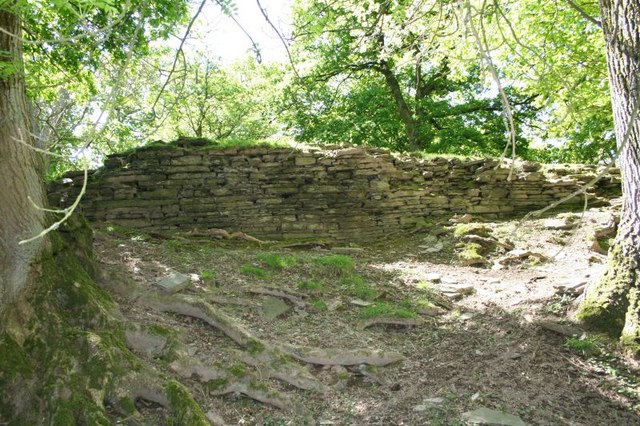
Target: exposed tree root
(194, 307)
(341, 357)
(294, 298)
(401, 322)
(284, 370)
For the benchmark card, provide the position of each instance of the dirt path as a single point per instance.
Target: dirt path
(492, 347)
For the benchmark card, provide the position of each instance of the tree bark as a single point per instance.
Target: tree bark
(613, 305)
(21, 169)
(409, 122)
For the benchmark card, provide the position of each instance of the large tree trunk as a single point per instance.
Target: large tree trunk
(406, 115)
(613, 305)
(20, 170)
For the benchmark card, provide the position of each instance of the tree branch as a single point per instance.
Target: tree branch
(583, 13)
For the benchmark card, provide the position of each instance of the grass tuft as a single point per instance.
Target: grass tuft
(336, 265)
(276, 261)
(254, 271)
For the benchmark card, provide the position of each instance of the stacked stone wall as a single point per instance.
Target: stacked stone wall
(351, 194)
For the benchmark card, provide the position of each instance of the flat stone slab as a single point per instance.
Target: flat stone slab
(558, 223)
(174, 282)
(273, 307)
(489, 417)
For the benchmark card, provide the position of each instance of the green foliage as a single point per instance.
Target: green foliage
(335, 265)
(207, 274)
(584, 345)
(254, 271)
(358, 287)
(373, 79)
(311, 285)
(462, 229)
(220, 103)
(384, 309)
(276, 261)
(319, 305)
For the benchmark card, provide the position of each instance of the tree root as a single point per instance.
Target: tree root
(341, 357)
(294, 298)
(401, 322)
(191, 306)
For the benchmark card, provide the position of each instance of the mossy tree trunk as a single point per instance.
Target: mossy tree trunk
(21, 170)
(613, 305)
(62, 344)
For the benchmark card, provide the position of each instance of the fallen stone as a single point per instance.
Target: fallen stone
(347, 250)
(489, 417)
(454, 291)
(434, 277)
(563, 330)
(420, 408)
(272, 308)
(558, 224)
(334, 304)
(436, 248)
(573, 288)
(149, 345)
(359, 302)
(215, 418)
(519, 255)
(433, 401)
(465, 218)
(174, 282)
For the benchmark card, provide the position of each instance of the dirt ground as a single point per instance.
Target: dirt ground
(470, 337)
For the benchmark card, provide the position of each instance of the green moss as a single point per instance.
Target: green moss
(311, 285)
(71, 338)
(463, 229)
(254, 271)
(185, 410)
(584, 345)
(356, 286)
(342, 375)
(276, 261)
(207, 275)
(238, 370)
(383, 309)
(606, 304)
(259, 386)
(335, 265)
(319, 305)
(216, 384)
(255, 347)
(15, 358)
(471, 252)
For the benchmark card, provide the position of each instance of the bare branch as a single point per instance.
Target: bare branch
(284, 43)
(178, 52)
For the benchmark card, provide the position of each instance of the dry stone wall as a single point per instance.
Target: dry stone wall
(352, 194)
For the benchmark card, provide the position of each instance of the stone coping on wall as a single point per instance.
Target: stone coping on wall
(341, 193)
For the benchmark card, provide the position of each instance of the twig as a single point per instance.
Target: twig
(507, 110)
(178, 52)
(284, 43)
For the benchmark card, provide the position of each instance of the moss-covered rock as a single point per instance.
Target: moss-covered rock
(606, 304)
(63, 347)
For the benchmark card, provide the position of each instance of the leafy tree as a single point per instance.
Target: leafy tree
(218, 103)
(550, 50)
(401, 48)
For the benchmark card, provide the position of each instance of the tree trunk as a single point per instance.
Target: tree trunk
(20, 170)
(409, 122)
(613, 305)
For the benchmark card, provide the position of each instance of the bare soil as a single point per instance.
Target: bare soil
(490, 348)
